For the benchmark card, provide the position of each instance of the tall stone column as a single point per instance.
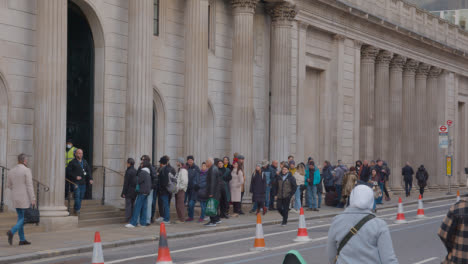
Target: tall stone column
(420, 121)
(50, 110)
(366, 140)
(382, 104)
(242, 80)
(396, 125)
(196, 77)
(431, 129)
(139, 92)
(282, 15)
(409, 115)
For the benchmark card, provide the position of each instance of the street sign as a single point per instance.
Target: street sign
(449, 123)
(443, 137)
(443, 129)
(448, 160)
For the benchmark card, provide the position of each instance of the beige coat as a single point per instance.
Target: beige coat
(236, 185)
(21, 186)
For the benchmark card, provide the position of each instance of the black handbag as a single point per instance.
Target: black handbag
(31, 215)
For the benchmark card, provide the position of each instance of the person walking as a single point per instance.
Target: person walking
(349, 181)
(212, 188)
(258, 186)
(182, 184)
(128, 190)
(80, 174)
(224, 189)
(328, 179)
(20, 184)
(422, 176)
(192, 191)
(453, 233)
(372, 244)
(377, 187)
(142, 189)
(300, 177)
(236, 188)
(273, 168)
(286, 186)
(313, 179)
(407, 173)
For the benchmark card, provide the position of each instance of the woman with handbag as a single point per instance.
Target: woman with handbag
(143, 189)
(19, 182)
(182, 184)
(236, 188)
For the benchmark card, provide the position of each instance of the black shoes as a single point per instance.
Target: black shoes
(24, 243)
(10, 237)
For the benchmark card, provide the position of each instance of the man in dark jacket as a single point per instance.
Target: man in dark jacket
(273, 169)
(163, 193)
(383, 175)
(212, 188)
(286, 187)
(364, 172)
(407, 173)
(143, 189)
(422, 176)
(193, 175)
(328, 179)
(79, 173)
(128, 190)
(223, 183)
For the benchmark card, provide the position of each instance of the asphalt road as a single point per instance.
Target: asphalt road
(416, 242)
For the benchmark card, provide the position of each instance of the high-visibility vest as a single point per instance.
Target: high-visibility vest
(69, 155)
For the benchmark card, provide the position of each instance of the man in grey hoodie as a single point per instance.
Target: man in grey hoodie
(373, 244)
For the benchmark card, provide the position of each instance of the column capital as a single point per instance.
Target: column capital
(301, 25)
(282, 13)
(411, 66)
(423, 70)
(339, 37)
(435, 72)
(369, 53)
(398, 62)
(358, 44)
(244, 6)
(384, 57)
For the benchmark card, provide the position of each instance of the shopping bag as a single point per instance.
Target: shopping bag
(31, 215)
(212, 207)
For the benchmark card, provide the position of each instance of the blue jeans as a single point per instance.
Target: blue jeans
(192, 206)
(165, 200)
(19, 224)
(139, 211)
(319, 198)
(267, 196)
(149, 204)
(379, 200)
(312, 195)
(153, 205)
(79, 195)
(338, 188)
(297, 197)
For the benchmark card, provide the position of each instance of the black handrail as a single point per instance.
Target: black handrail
(104, 179)
(70, 194)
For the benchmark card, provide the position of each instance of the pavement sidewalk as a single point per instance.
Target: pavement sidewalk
(51, 244)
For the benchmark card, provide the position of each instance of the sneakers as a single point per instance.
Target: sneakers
(283, 224)
(10, 237)
(166, 222)
(160, 219)
(294, 211)
(209, 224)
(24, 243)
(219, 222)
(129, 226)
(201, 220)
(189, 219)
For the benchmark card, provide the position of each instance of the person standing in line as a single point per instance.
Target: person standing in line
(290, 158)
(164, 171)
(377, 187)
(267, 174)
(235, 157)
(227, 163)
(273, 168)
(224, 189)
(371, 243)
(80, 174)
(212, 188)
(192, 192)
(349, 181)
(328, 179)
(236, 188)
(152, 194)
(182, 183)
(313, 179)
(286, 186)
(128, 190)
(200, 194)
(292, 167)
(20, 184)
(358, 166)
(453, 233)
(143, 189)
(407, 173)
(69, 156)
(300, 176)
(338, 181)
(365, 172)
(258, 189)
(422, 176)
(240, 161)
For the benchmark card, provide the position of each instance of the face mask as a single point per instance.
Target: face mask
(69, 146)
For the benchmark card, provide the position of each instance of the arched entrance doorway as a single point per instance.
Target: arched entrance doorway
(159, 127)
(80, 83)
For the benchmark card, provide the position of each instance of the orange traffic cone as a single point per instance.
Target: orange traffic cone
(400, 219)
(458, 196)
(259, 244)
(420, 208)
(98, 258)
(302, 235)
(164, 256)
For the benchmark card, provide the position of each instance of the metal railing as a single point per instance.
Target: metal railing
(2, 202)
(104, 170)
(70, 194)
(39, 186)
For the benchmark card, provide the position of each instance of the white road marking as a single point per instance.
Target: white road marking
(426, 260)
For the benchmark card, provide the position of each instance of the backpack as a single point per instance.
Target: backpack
(172, 184)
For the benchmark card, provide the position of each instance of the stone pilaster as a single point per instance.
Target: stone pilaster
(51, 108)
(409, 116)
(431, 125)
(396, 124)
(242, 81)
(366, 140)
(382, 104)
(282, 15)
(196, 78)
(420, 121)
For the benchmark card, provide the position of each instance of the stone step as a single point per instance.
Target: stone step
(101, 214)
(101, 221)
(96, 208)
(85, 202)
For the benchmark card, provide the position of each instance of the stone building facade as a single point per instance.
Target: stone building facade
(330, 79)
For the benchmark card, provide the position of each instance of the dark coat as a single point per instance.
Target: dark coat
(164, 179)
(328, 178)
(212, 182)
(407, 173)
(74, 170)
(200, 185)
(154, 178)
(129, 185)
(286, 188)
(273, 180)
(193, 174)
(144, 180)
(422, 176)
(364, 173)
(258, 187)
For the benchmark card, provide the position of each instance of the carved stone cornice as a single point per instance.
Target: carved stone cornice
(243, 6)
(369, 53)
(282, 13)
(411, 66)
(384, 57)
(423, 70)
(435, 72)
(303, 26)
(398, 62)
